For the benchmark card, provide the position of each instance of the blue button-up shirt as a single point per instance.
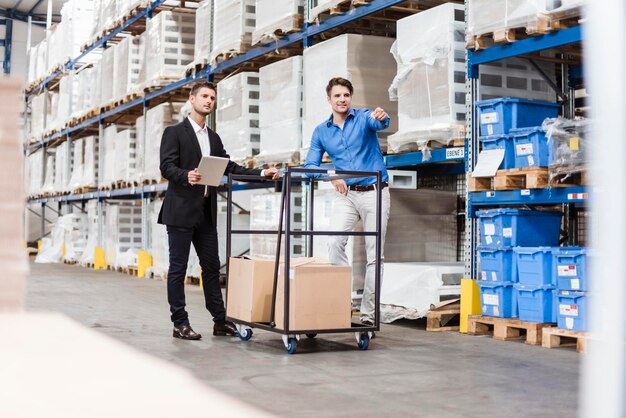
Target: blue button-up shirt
(353, 148)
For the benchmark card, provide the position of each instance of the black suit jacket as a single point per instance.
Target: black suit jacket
(180, 153)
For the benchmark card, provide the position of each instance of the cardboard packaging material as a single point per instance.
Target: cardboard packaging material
(320, 295)
(249, 295)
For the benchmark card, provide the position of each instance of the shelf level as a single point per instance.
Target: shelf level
(552, 196)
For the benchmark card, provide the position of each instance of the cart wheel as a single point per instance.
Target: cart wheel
(311, 335)
(245, 334)
(364, 341)
(292, 345)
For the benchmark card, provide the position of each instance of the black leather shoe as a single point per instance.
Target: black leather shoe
(224, 328)
(185, 332)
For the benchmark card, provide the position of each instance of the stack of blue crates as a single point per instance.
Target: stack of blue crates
(501, 230)
(571, 278)
(515, 126)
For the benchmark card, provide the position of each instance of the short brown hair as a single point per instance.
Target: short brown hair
(200, 85)
(339, 81)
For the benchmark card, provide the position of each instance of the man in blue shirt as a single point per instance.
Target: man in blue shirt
(349, 137)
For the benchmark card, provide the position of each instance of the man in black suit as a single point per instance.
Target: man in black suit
(190, 210)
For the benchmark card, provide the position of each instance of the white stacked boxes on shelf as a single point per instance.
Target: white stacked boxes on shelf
(105, 13)
(35, 167)
(107, 68)
(204, 32)
(157, 119)
(122, 236)
(362, 59)
(430, 83)
(37, 110)
(69, 94)
(123, 7)
(280, 110)
(238, 114)
(128, 54)
(52, 118)
(90, 162)
(78, 166)
(48, 183)
(87, 257)
(77, 16)
(88, 90)
(62, 170)
(276, 17)
(169, 46)
(42, 66)
(233, 24)
(125, 156)
(316, 7)
(75, 239)
(108, 148)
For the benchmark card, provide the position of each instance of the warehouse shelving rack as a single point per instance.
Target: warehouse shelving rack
(441, 162)
(556, 40)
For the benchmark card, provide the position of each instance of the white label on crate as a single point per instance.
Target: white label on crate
(489, 130)
(507, 232)
(569, 323)
(567, 271)
(494, 276)
(491, 117)
(568, 310)
(531, 161)
(496, 311)
(523, 149)
(488, 240)
(455, 153)
(483, 275)
(490, 229)
(491, 300)
(575, 284)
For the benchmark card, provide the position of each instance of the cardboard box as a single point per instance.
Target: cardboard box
(249, 294)
(320, 295)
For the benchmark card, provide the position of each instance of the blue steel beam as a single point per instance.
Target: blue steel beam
(456, 154)
(522, 47)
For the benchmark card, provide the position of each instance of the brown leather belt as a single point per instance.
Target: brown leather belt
(358, 188)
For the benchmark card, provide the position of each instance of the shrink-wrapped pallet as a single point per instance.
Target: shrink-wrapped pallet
(125, 156)
(149, 141)
(568, 145)
(78, 17)
(233, 24)
(204, 32)
(35, 166)
(106, 71)
(280, 110)
(276, 17)
(62, 169)
(69, 94)
(48, 185)
(238, 114)
(78, 167)
(169, 46)
(127, 57)
(90, 162)
(122, 234)
(38, 111)
(108, 149)
(362, 59)
(88, 89)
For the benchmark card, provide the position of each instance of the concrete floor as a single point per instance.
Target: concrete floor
(405, 372)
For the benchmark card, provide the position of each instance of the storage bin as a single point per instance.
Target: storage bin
(530, 146)
(534, 303)
(534, 265)
(501, 142)
(497, 299)
(499, 116)
(570, 268)
(572, 310)
(507, 227)
(497, 264)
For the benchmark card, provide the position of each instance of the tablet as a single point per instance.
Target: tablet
(212, 170)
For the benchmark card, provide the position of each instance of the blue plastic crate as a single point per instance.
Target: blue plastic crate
(534, 304)
(498, 299)
(555, 305)
(517, 227)
(534, 265)
(530, 146)
(572, 310)
(501, 142)
(570, 268)
(499, 116)
(497, 264)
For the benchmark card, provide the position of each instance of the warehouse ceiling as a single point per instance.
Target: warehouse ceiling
(21, 9)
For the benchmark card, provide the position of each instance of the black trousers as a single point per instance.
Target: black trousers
(204, 239)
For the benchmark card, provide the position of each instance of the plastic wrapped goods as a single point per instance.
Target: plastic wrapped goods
(78, 17)
(485, 16)
(276, 16)
(35, 167)
(75, 239)
(87, 257)
(238, 114)
(78, 167)
(48, 184)
(106, 74)
(90, 162)
(362, 59)
(128, 55)
(316, 7)
(157, 119)
(125, 156)
(169, 45)
(68, 99)
(37, 111)
(280, 108)
(567, 142)
(122, 234)
(87, 90)
(62, 170)
(108, 148)
(233, 24)
(204, 32)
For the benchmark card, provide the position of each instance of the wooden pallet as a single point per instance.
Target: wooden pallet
(532, 27)
(70, 262)
(232, 53)
(506, 329)
(518, 179)
(83, 190)
(557, 338)
(438, 319)
(297, 23)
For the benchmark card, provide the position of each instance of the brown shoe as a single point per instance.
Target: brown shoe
(185, 332)
(225, 328)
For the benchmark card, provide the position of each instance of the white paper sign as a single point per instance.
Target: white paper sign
(523, 149)
(491, 117)
(490, 229)
(569, 323)
(488, 162)
(575, 284)
(568, 310)
(507, 232)
(567, 271)
(491, 300)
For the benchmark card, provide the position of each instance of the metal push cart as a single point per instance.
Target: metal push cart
(295, 176)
